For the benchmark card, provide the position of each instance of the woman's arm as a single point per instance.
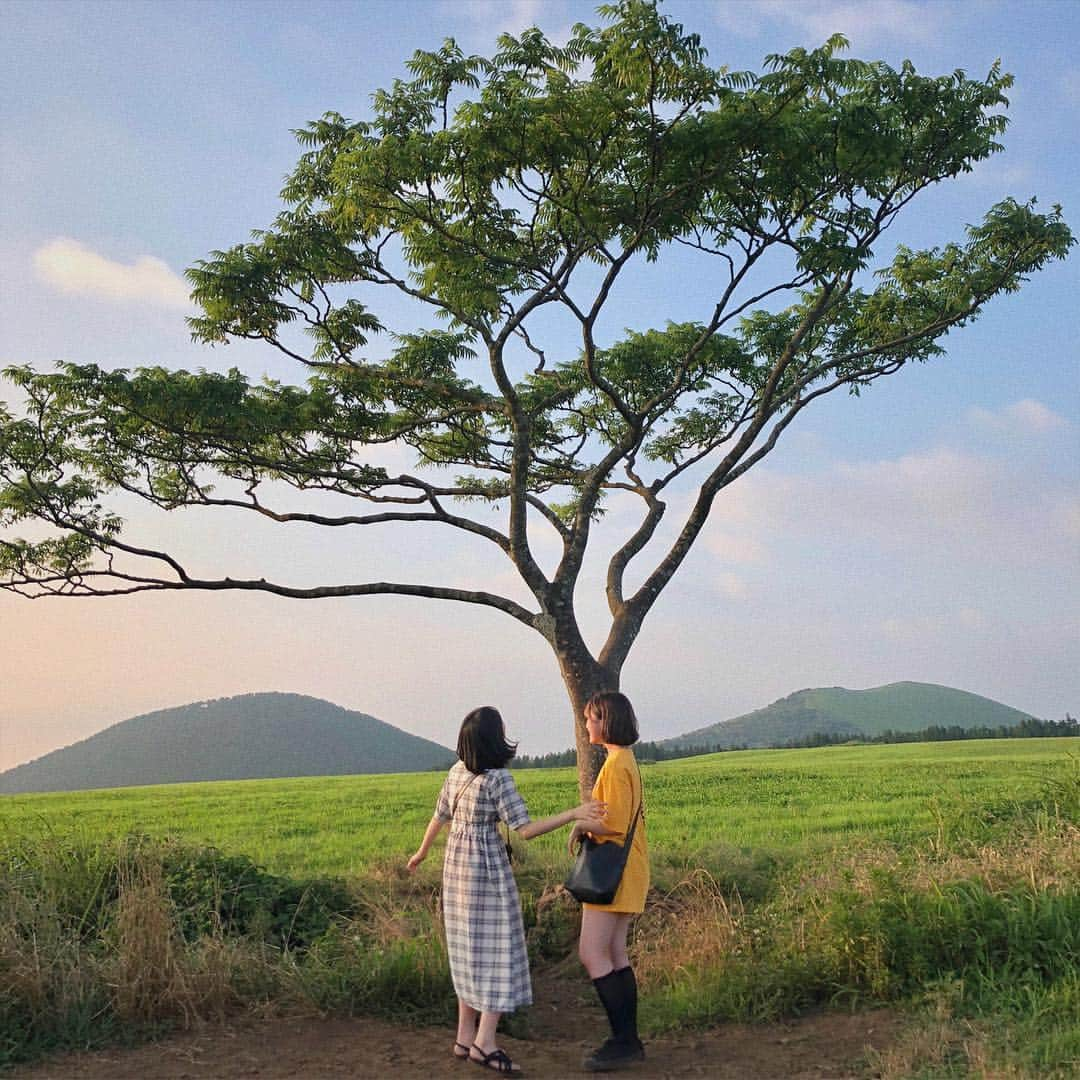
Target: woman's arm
(435, 826)
(597, 827)
(588, 814)
(615, 785)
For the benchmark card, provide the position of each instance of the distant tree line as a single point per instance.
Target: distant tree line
(643, 751)
(1029, 728)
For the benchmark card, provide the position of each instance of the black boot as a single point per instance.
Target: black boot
(618, 994)
(629, 987)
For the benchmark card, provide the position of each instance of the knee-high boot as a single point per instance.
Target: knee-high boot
(629, 1004)
(610, 992)
(618, 995)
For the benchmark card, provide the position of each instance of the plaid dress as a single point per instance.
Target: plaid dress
(485, 937)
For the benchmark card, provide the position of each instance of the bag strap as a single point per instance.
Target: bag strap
(457, 798)
(637, 813)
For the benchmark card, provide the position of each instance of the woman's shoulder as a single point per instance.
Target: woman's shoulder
(620, 768)
(621, 759)
(459, 773)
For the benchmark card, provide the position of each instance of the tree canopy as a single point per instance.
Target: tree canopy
(498, 195)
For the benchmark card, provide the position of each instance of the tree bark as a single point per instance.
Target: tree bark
(584, 677)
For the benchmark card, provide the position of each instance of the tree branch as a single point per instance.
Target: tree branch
(138, 583)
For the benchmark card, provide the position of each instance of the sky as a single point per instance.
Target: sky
(928, 530)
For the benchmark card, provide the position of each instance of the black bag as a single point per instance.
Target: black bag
(595, 876)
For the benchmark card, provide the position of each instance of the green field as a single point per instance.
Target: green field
(780, 800)
(941, 879)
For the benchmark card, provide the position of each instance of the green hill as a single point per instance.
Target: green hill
(250, 737)
(903, 706)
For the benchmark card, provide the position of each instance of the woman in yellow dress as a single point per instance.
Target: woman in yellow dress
(611, 723)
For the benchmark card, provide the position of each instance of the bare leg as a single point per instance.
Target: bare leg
(468, 1018)
(485, 1033)
(602, 945)
(619, 957)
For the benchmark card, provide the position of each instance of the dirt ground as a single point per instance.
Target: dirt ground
(563, 1026)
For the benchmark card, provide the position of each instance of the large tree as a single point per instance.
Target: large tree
(506, 197)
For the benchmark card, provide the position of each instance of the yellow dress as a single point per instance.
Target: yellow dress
(619, 785)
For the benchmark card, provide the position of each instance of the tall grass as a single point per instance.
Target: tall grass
(980, 929)
(973, 918)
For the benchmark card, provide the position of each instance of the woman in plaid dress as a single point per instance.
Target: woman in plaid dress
(485, 936)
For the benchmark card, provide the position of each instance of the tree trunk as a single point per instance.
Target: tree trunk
(584, 677)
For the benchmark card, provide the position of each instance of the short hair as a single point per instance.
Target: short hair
(618, 724)
(482, 741)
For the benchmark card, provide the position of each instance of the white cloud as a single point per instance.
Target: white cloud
(1035, 416)
(732, 587)
(891, 498)
(1026, 417)
(505, 16)
(862, 21)
(930, 629)
(999, 175)
(73, 268)
(938, 507)
(733, 547)
(940, 486)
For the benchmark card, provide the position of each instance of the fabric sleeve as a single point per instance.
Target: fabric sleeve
(443, 810)
(509, 804)
(615, 786)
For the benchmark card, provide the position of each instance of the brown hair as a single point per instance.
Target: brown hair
(618, 724)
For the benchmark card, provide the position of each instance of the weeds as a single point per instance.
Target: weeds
(974, 924)
(983, 942)
(105, 942)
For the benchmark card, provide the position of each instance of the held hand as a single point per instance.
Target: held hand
(594, 825)
(591, 808)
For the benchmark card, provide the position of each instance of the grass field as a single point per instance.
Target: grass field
(939, 878)
(795, 801)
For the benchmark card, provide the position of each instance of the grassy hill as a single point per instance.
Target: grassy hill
(254, 736)
(903, 706)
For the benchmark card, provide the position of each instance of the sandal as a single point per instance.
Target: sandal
(461, 1051)
(498, 1061)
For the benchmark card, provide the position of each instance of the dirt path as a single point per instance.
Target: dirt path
(563, 1027)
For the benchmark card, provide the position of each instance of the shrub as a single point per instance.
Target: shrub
(215, 893)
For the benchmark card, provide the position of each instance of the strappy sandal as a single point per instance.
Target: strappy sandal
(457, 1051)
(498, 1061)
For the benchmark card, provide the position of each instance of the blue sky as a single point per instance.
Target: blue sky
(928, 531)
